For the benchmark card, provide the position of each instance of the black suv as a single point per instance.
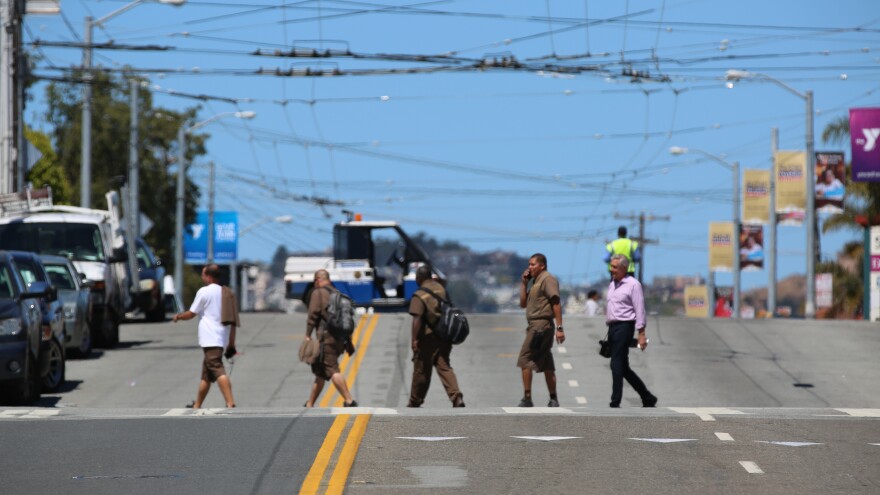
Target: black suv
(22, 327)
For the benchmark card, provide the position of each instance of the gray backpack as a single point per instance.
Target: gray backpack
(340, 315)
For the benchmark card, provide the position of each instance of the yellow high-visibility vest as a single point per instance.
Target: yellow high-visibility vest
(625, 247)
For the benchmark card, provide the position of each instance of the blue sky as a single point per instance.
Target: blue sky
(520, 160)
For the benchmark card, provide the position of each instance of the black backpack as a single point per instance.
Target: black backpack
(340, 315)
(452, 325)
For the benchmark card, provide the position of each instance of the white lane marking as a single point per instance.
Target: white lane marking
(376, 411)
(546, 439)
(751, 467)
(705, 413)
(573, 383)
(724, 437)
(430, 439)
(566, 366)
(562, 350)
(29, 413)
(878, 444)
(789, 444)
(581, 400)
(536, 410)
(665, 440)
(862, 413)
(45, 412)
(176, 412)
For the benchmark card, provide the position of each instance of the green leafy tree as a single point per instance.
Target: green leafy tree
(111, 121)
(46, 171)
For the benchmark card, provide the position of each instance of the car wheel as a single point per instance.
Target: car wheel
(110, 330)
(85, 345)
(106, 330)
(157, 314)
(55, 377)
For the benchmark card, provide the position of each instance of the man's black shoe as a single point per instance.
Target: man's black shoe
(649, 402)
(353, 403)
(526, 402)
(458, 402)
(614, 405)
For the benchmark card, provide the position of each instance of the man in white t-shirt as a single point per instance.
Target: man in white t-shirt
(593, 308)
(213, 336)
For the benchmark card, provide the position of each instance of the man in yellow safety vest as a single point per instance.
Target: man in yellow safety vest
(625, 246)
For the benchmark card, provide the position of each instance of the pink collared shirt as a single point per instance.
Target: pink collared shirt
(626, 302)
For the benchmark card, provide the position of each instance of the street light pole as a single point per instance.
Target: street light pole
(233, 283)
(85, 172)
(734, 167)
(181, 186)
(810, 214)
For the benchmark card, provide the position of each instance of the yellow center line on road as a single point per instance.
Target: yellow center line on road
(316, 474)
(359, 356)
(348, 454)
(329, 473)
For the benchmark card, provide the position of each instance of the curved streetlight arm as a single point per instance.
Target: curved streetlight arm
(130, 6)
(676, 150)
(737, 75)
(263, 221)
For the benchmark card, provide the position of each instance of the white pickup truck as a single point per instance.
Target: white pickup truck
(92, 239)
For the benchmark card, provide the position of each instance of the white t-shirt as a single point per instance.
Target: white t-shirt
(207, 303)
(593, 308)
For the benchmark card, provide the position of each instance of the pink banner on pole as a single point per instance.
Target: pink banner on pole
(864, 131)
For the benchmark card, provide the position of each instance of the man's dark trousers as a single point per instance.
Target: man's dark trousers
(620, 333)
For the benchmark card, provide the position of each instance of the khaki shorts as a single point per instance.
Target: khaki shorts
(327, 363)
(539, 359)
(212, 366)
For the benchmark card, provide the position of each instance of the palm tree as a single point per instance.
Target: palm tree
(862, 205)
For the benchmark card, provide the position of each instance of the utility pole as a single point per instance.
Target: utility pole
(771, 259)
(10, 42)
(642, 240)
(211, 213)
(133, 179)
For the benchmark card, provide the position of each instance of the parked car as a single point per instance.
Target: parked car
(150, 297)
(21, 331)
(52, 353)
(92, 239)
(74, 294)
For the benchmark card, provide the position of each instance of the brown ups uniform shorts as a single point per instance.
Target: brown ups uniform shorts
(537, 354)
(327, 363)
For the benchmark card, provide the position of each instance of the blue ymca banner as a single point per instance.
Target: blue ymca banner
(195, 238)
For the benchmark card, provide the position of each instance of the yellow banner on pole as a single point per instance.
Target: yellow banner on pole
(696, 301)
(756, 196)
(790, 168)
(721, 246)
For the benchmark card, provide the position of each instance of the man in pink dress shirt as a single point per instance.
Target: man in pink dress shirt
(625, 313)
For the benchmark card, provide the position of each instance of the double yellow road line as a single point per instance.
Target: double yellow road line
(319, 480)
(329, 472)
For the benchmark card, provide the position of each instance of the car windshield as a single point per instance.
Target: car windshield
(60, 277)
(6, 291)
(75, 241)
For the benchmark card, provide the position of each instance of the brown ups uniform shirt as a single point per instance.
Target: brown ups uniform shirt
(539, 313)
(433, 352)
(425, 305)
(327, 363)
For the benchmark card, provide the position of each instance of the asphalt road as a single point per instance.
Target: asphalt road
(779, 406)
